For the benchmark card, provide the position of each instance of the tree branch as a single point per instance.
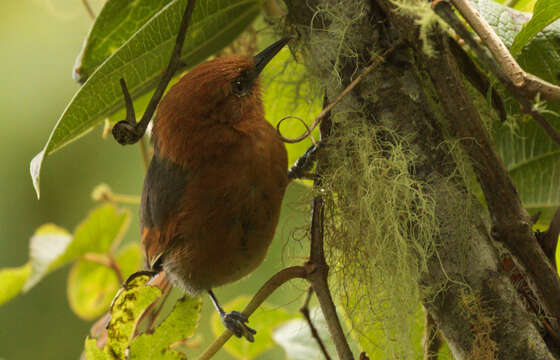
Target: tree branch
(444, 10)
(511, 222)
(529, 84)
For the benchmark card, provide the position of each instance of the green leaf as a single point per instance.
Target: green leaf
(46, 246)
(544, 13)
(295, 337)
(12, 281)
(53, 247)
(126, 311)
(179, 324)
(141, 60)
(265, 319)
(92, 286)
(102, 230)
(130, 259)
(115, 24)
(94, 353)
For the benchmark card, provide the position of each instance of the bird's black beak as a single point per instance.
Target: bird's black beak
(262, 58)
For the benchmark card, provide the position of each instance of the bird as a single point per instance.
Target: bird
(213, 191)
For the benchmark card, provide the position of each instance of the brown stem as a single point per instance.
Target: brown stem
(128, 131)
(264, 292)
(304, 310)
(105, 260)
(89, 9)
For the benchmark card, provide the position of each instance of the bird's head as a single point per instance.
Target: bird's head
(224, 89)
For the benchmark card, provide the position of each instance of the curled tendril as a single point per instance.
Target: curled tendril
(305, 135)
(317, 121)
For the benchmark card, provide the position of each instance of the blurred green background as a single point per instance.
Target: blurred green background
(39, 41)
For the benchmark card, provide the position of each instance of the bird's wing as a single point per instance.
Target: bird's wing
(164, 186)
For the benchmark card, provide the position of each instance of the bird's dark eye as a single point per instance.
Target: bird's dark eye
(238, 88)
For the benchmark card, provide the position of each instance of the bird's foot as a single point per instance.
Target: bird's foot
(235, 322)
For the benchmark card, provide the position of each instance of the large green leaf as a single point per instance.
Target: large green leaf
(178, 325)
(544, 13)
(141, 60)
(532, 158)
(115, 24)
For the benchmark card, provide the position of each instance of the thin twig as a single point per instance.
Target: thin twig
(304, 310)
(264, 292)
(317, 265)
(444, 10)
(529, 84)
(129, 132)
(328, 108)
(89, 9)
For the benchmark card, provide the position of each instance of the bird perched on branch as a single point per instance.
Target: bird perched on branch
(212, 195)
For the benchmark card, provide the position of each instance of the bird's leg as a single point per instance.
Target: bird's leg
(234, 321)
(305, 162)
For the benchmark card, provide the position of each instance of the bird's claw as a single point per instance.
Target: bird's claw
(235, 322)
(125, 133)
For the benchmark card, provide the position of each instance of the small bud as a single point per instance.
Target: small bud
(102, 192)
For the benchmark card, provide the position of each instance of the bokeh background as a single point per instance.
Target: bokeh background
(39, 41)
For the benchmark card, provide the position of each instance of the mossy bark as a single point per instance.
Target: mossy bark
(477, 309)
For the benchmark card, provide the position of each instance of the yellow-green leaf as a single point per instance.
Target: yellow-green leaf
(94, 353)
(179, 324)
(125, 313)
(91, 287)
(12, 281)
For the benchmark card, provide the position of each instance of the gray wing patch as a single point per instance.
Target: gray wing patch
(163, 187)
